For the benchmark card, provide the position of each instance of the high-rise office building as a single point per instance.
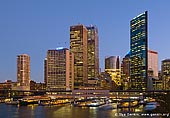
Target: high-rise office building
(125, 71)
(139, 51)
(153, 62)
(23, 71)
(112, 62)
(78, 46)
(165, 70)
(92, 52)
(125, 66)
(112, 67)
(45, 71)
(59, 71)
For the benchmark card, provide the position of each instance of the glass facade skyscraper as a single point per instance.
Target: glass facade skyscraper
(138, 51)
(112, 67)
(92, 52)
(112, 62)
(125, 71)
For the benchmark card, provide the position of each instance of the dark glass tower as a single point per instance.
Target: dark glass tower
(125, 71)
(138, 51)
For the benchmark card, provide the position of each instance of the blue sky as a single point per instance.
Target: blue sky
(34, 26)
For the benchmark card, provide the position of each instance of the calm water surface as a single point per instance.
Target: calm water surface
(68, 111)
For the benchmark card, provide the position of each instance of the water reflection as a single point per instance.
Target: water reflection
(68, 111)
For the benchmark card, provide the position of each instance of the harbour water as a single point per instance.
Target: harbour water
(69, 111)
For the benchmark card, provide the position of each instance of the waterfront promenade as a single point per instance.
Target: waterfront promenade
(64, 101)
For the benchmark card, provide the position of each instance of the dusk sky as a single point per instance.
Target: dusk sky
(34, 26)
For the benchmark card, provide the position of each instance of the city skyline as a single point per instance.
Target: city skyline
(34, 27)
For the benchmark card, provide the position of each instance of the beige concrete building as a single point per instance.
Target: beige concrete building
(23, 71)
(153, 62)
(59, 69)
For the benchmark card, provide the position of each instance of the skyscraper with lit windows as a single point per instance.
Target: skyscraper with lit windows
(58, 68)
(23, 71)
(78, 46)
(138, 51)
(165, 71)
(112, 67)
(125, 71)
(92, 52)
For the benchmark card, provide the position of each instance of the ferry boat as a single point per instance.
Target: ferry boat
(44, 103)
(28, 101)
(108, 106)
(151, 106)
(32, 100)
(95, 103)
(11, 102)
(53, 102)
(126, 103)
